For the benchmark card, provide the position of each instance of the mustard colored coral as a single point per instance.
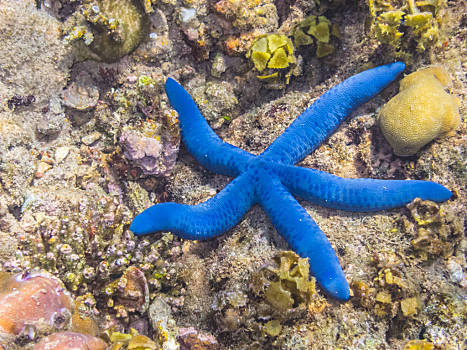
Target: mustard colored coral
(421, 112)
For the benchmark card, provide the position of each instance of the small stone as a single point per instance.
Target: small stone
(50, 124)
(456, 273)
(419, 344)
(190, 338)
(151, 154)
(41, 169)
(160, 316)
(383, 297)
(61, 153)
(273, 328)
(219, 65)
(131, 79)
(410, 307)
(82, 94)
(187, 14)
(133, 290)
(88, 140)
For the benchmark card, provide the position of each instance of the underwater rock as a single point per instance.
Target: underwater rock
(131, 292)
(245, 15)
(70, 341)
(437, 231)
(90, 139)
(33, 58)
(160, 316)
(52, 121)
(217, 100)
(81, 94)
(37, 300)
(149, 153)
(191, 339)
(84, 318)
(421, 112)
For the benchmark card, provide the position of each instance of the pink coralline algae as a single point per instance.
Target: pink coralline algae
(70, 341)
(36, 300)
(151, 155)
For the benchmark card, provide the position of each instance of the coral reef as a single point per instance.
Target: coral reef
(421, 112)
(68, 191)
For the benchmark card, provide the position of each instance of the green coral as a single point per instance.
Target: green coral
(317, 30)
(272, 54)
(406, 24)
(285, 285)
(132, 340)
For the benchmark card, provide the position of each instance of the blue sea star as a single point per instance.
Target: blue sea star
(271, 180)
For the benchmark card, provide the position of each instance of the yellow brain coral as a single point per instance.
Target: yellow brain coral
(420, 112)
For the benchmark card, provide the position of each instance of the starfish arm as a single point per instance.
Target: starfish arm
(198, 137)
(357, 194)
(319, 120)
(202, 221)
(304, 236)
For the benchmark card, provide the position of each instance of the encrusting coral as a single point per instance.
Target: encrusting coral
(70, 341)
(421, 112)
(407, 24)
(27, 301)
(110, 29)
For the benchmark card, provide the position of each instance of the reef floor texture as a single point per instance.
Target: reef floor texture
(89, 139)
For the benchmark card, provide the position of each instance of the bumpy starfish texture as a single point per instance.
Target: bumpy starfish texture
(271, 180)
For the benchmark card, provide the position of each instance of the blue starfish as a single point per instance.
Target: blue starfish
(272, 180)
